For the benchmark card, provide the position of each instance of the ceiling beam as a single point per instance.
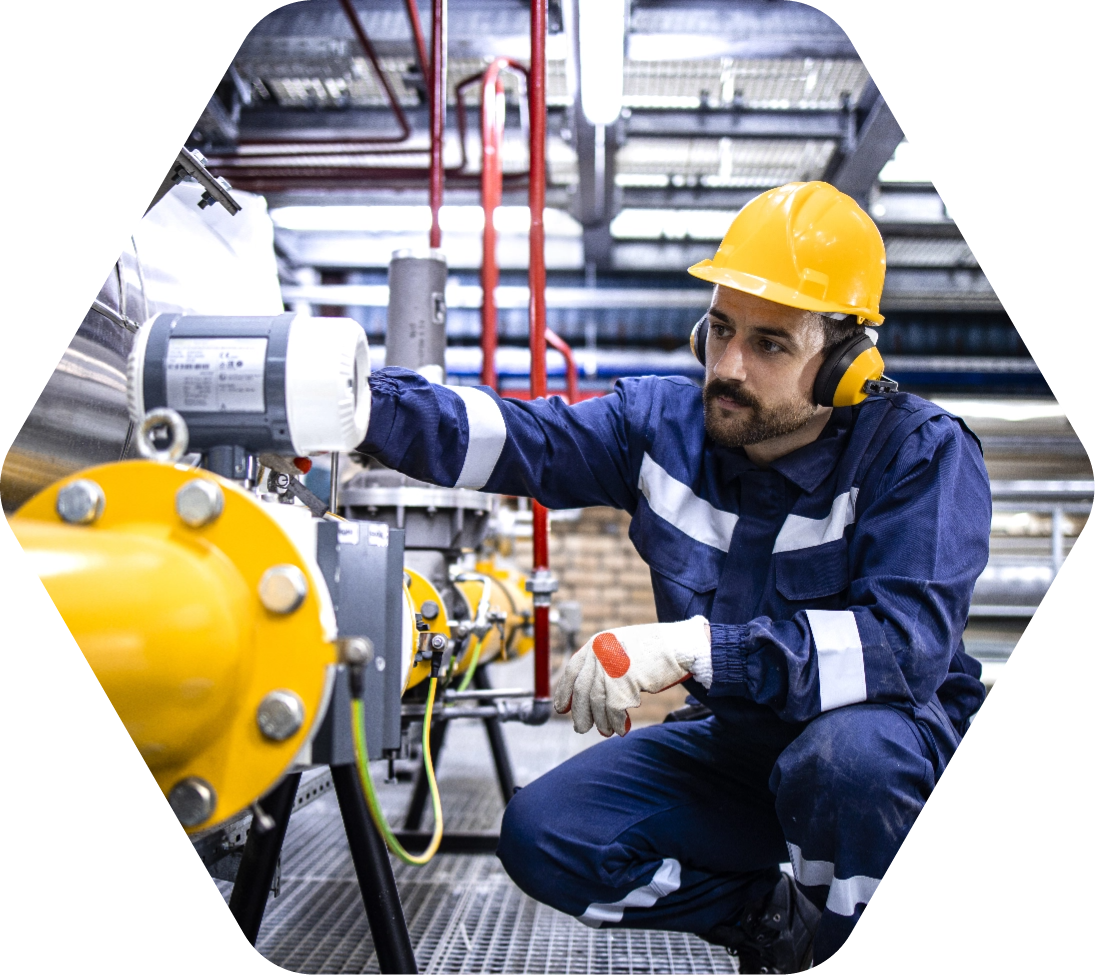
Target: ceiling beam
(861, 157)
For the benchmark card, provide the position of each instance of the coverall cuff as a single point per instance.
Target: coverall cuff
(384, 394)
(727, 660)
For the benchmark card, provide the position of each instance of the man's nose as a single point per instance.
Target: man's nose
(731, 364)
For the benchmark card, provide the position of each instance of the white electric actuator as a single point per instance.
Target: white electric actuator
(284, 384)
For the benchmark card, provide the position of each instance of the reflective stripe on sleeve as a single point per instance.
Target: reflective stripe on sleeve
(666, 880)
(678, 504)
(845, 894)
(840, 674)
(486, 437)
(799, 532)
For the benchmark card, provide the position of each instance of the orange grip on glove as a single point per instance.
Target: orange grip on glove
(603, 679)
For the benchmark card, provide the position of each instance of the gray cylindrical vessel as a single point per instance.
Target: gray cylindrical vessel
(416, 313)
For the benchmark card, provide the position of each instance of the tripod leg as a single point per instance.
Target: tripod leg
(417, 806)
(374, 876)
(260, 859)
(499, 751)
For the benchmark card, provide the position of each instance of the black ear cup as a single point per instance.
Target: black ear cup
(698, 340)
(836, 364)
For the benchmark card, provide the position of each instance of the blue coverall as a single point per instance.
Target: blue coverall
(837, 583)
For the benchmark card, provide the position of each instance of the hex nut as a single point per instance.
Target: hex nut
(192, 800)
(280, 715)
(282, 589)
(81, 502)
(199, 502)
(438, 642)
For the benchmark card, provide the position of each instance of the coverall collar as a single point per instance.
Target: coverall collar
(806, 467)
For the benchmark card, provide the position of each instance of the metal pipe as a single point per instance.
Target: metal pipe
(419, 39)
(492, 125)
(437, 115)
(561, 346)
(537, 282)
(333, 505)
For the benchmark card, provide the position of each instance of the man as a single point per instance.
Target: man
(812, 568)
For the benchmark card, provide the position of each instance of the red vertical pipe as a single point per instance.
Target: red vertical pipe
(419, 39)
(537, 281)
(438, 94)
(491, 191)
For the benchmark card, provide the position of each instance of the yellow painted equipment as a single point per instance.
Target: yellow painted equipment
(192, 629)
(420, 591)
(507, 596)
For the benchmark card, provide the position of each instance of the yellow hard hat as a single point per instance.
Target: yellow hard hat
(806, 245)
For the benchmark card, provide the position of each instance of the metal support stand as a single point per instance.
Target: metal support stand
(498, 749)
(260, 858)
(374, 876)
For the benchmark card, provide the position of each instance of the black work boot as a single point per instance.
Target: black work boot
(774, 934)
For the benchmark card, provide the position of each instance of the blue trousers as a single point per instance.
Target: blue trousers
(679, 826)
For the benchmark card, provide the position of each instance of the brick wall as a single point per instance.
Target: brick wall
(598, 567)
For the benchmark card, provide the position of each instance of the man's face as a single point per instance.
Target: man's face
(762, 359)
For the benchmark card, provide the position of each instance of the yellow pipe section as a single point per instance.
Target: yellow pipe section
(172, 619)
(165, 627)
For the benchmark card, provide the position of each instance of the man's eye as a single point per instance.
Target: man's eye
(770, 347)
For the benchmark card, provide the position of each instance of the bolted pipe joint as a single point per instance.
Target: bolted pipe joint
(542, 583)
(81, 502)
(199, 502)
(280, 715)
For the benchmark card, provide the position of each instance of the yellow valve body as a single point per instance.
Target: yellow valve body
(507, 595)
(170, 620)
(419, 590)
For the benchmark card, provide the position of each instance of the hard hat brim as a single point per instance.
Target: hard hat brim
(773, 291)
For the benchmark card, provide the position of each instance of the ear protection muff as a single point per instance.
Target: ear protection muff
(698, 340)
(851, 372)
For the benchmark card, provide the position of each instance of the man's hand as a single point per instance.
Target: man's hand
(603, 679)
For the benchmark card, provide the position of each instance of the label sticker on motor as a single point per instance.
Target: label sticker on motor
(216, 375)
(378, 535)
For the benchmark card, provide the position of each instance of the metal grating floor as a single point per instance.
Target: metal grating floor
(464, 913)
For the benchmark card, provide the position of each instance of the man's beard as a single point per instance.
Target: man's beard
(752, 426)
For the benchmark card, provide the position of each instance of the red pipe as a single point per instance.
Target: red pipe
(438, 97)
(491, 132)
(537, 281)
(560, 345)
(419, 39)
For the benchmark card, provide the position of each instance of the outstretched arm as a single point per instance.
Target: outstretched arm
(467, 436)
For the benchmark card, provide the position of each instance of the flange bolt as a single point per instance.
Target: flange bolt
(280, 715)
(81, 502)
(282, 589)
(199, 502)
(192, 800)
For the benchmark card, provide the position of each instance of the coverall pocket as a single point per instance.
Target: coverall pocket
(812, 573)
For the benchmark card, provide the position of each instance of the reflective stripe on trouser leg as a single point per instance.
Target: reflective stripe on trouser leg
(666, 879)
(848, 790)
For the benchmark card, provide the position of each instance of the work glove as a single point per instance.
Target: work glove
(603, 679)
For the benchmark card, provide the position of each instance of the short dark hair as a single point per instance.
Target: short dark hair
(836, 332)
